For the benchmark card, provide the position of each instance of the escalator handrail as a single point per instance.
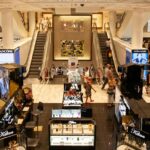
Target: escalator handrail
(98, 50)
(114, 54)
(30, 53)
(46, 48)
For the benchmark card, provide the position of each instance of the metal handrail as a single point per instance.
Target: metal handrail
(46, 48)
(97, 49)
(114, 54)
(30, 54)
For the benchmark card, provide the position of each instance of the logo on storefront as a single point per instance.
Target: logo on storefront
(138, 133)
(6, 133)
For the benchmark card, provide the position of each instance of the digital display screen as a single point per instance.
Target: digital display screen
(4, 83)
(66, 113)
(140, 56)
(7, 56)
(75, 86)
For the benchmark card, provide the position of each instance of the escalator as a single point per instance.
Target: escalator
(102, 36)
(37, 58)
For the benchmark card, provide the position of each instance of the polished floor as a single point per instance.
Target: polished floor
(51, 95)
(105, 126)
(53, 92)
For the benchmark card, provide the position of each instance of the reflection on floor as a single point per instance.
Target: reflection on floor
(105, 129)
(53, 93)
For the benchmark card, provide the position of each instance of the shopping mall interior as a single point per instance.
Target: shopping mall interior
(74, 74)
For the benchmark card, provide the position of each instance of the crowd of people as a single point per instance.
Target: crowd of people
(88, 76)
(44, 24)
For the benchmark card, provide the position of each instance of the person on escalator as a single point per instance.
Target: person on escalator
(109, 56)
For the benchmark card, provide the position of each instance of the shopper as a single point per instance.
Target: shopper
(52, 71)
(107, 75)
(45, 75)
(86, 73)
(109, 56)
(108, 43)
(92, 72)
(88, 87)
(111, 90)
(99, 75)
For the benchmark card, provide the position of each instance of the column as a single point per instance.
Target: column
(26, 20)
(39, 16)
(137, 30)
(7, 28)
(105, 20)
(112, 22)
(32, 23)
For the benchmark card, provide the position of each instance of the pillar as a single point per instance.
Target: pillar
(7, 28)
(112, 22)
(32, 23)
(105, 20)
(39, 16)
(137, 30)
(26, 20)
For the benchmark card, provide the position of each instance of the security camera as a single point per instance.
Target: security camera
(82, 5)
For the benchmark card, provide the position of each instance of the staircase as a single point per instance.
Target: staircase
(102, 41)
(37, 57)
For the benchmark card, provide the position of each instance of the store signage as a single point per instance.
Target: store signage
(138, 133)
(7, 51)
(6, 133)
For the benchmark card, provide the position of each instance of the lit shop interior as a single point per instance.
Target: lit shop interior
(74, 75)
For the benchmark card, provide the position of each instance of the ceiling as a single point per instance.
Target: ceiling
(81, 6)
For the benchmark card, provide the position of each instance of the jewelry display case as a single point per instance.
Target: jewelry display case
(72, 134)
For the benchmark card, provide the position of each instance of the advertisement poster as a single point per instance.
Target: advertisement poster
(140, 56)
(128, 56)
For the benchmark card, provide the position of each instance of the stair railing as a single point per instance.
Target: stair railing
(114, 54)
(30, 54)
(121, 21)
(97, 49)
(46, 50)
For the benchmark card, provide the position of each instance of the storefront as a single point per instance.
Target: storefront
(133, 121)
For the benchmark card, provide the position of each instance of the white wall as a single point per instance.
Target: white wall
(18, 27)
(24, 50)
(128, 24)
(120, 47)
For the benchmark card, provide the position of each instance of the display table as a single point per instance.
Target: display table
(134, 116)
(72, 96)
(66, 113)
(72, 100)
(72, 134)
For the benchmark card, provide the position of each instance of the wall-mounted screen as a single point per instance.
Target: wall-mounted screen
(4, 83)
(7, 56)
(17, 55)
(128, 55)
(140, 56)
